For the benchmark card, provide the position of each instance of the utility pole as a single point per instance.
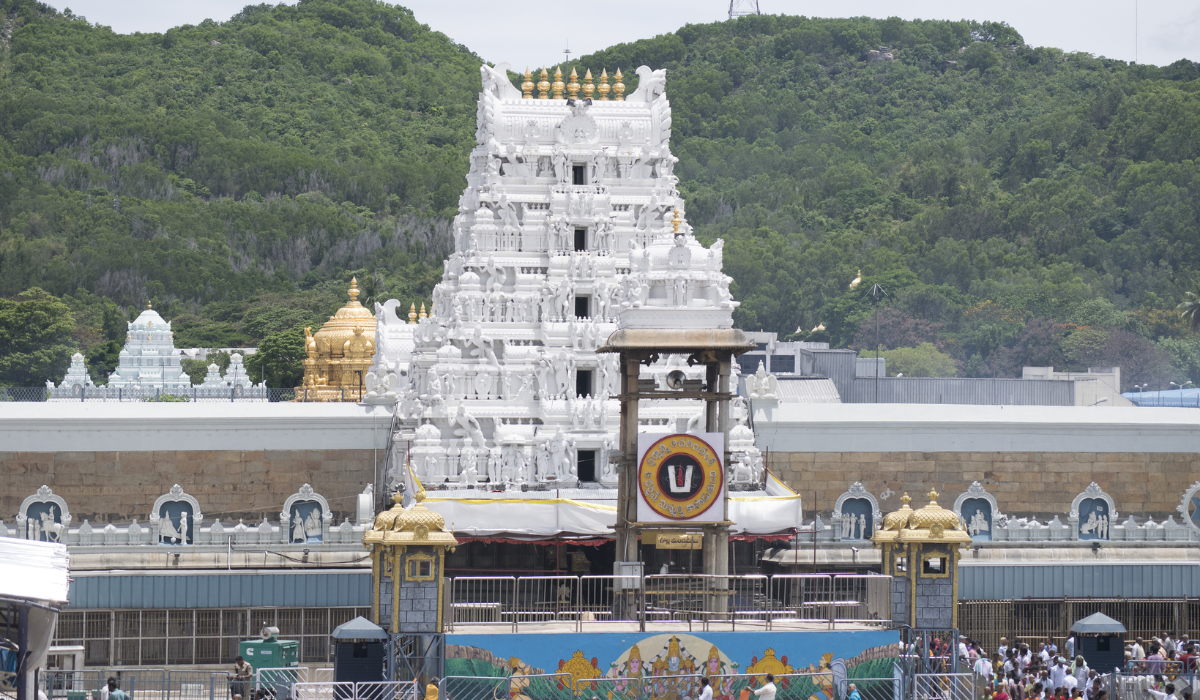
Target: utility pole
(877, 294)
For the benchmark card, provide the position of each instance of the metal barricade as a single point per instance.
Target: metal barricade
(675, 597)
(601, 601)
(866, 597)
(478, 600)
(748, 598)
(322, 675)
(323, 690)
(543, 686)
(610, 689)
(71, 685)
(199, 685)
(385, 690)
(278, 682)
(474, 688)
(802, 597)
(1133, 686)
(546, 598)
(141, 683)
(873, 688)
(943, 686)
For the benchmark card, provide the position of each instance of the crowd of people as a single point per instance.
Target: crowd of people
(1018, 672)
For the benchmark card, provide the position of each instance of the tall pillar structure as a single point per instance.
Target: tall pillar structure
(921, 549)
(408, 556)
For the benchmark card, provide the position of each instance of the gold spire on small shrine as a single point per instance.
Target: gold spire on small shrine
(527, 86)
(618, 88)
(422, 310)
(558, 83)
(604, 86)
(588, 88)
(543, 86)
(573, 86)
(149, 305)
(353, 289)
(675, 220)
(412, 313)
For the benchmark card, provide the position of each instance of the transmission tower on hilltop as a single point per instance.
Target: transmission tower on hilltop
(738, 8)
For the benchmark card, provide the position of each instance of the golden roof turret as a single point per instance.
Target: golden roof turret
(618, 88)
(931, 523)
(340, 353)
(604, 86)
(409, 526)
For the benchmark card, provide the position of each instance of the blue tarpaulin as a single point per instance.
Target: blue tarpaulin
(1170, 398)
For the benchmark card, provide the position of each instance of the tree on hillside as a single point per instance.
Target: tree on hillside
(1189, 308)
(35, 338)
(896, 330)
(279, 360)
(924, 360)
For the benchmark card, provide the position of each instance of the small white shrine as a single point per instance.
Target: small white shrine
(571, 221)
(76, 382)
(149, 359)
(235, 380)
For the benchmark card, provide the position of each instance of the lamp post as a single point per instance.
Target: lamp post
(877, 293)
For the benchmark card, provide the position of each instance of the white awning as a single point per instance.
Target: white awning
(523, 518)
(33, 571)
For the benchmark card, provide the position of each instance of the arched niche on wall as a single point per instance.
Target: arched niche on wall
(43, 516)
(979, 512)
(305, 518)
(1093, 514)
(856, 513)
(175, 517)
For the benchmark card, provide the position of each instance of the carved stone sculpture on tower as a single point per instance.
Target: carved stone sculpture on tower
(571, 219)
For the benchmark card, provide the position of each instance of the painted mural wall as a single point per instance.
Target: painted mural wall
(668, 665)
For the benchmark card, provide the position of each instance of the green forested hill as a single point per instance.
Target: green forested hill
(1019, 205)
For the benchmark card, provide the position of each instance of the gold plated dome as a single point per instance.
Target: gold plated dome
(411, 519)
(409, 526)
(339, 354)
(933, 514)
(898, 520)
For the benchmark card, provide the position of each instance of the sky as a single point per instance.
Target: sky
(498, 30)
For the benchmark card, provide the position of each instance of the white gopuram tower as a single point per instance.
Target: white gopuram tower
(149, 359)
(570, 220)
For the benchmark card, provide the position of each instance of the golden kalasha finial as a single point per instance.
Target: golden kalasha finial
(573, 86)
(544, 86)
(412, 313)
(675, 220)
(618, 88)
(558, 83)
(906, 499)
(588, 88)
(149, 305)
(527, 86)
(353, 289)
(422, 310)
(604, 86)
(933, 494)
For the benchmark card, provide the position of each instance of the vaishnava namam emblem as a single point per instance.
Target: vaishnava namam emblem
(680, 477)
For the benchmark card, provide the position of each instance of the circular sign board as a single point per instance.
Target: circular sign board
(679, 477)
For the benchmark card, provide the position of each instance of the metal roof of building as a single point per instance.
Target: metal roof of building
(1056, 580)
(949, 390)
(221, 589)
(808, 390)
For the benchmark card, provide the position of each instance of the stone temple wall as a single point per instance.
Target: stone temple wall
(116, 487)
(1040, 484)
